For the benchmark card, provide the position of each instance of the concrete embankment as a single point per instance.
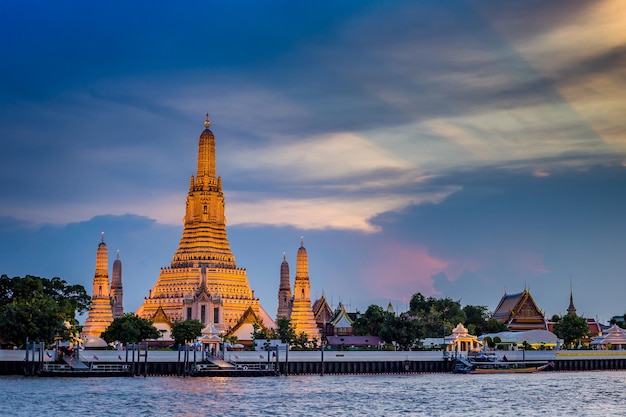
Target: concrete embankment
(333, 362)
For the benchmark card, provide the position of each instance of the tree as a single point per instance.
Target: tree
(438, 315)
(285, 331)
(370, 323)
(476, 318)
(301, 342)
(571, 329)
(130, 328)
(186, 330)
(494, 326)
(39, 308)
(404, 329)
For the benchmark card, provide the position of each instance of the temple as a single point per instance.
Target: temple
(100, 313)
(302, 317)
(203, 281)
(520, 312)
(117, 290)
(284, 291)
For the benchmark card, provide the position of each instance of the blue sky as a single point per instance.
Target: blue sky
(458, 149)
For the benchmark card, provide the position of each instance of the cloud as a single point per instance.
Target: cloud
(338, 212)
(397, 271)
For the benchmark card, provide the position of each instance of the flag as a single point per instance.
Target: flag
(96, 358)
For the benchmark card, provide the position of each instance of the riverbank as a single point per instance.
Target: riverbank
(160, 362)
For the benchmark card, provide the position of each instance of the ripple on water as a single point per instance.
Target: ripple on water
(554, 394)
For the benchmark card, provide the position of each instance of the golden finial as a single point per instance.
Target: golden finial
(207, 122)
(301, 241)
(102, 237)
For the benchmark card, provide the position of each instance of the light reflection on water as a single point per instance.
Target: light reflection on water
(545, 394)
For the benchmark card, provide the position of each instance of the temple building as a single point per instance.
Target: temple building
(297, 307)
(203, 280)
(284, 291)
(323, 313)
(100, 313)
(117, 291)
(520, 312)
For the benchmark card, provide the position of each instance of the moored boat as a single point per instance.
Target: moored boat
(508, 367)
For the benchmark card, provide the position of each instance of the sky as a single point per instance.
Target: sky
(459, 149)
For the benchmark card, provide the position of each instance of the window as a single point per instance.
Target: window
(203, 314)
(188, 313)
(216, 315)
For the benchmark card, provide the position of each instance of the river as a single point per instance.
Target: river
(539, 394)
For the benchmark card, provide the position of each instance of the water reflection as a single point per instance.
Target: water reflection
(554, 394)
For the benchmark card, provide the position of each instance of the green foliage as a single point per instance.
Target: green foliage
(571, 329)
(494, 326)
(186, 330)
(261, 332)
(489, 341)
(404, 329)
(39, 308)
(437, 315)
(371, 322)
(130, 328)
(285, 331)
(476, 318)
(301, 342)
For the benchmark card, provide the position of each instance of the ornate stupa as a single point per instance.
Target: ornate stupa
(284, 291)
(302, 317)
(204, 256)
(117, 291)
(100, 314)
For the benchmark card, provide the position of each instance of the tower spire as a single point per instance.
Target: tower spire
(571, 310)
(207, 121)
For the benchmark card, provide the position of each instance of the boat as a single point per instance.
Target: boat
(508, 367)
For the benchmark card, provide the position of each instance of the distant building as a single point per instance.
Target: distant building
(594, 327)
(117, 290)
(302, 318)
(297, 306)
(520, 312)
(322, 313)
(341, 323)
(285, 298)
(100, 313)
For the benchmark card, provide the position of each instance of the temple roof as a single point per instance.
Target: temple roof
(342, 318)
(520, 312)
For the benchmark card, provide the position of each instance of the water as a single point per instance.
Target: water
(540, 394)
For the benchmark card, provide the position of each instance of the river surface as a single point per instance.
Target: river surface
(540, 394)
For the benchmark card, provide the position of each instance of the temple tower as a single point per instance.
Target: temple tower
(117, 291)
(284, 291)
(302, 317)
(100, 314)
(204, 247)
(571, 310)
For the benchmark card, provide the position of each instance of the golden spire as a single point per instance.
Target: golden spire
(207, 122)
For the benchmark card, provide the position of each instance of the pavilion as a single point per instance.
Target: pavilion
(461, 341)
(614, 339)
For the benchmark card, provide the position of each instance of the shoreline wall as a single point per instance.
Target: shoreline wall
(349, 367)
